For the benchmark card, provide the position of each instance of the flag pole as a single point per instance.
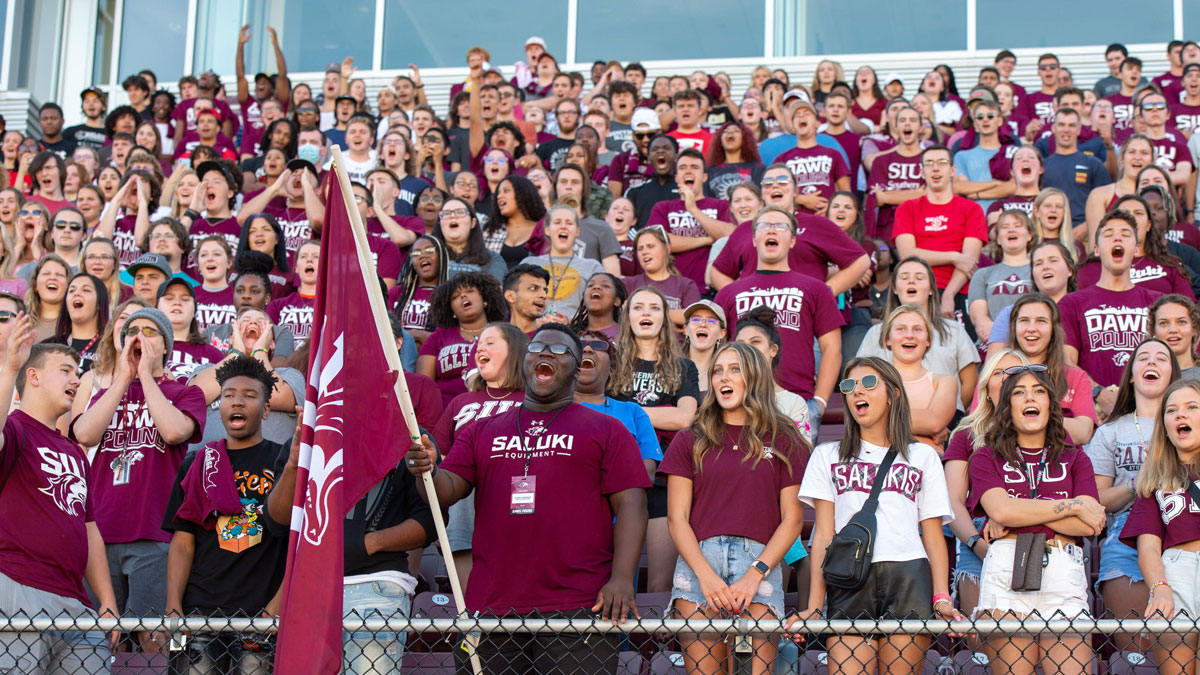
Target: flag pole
(383, 328)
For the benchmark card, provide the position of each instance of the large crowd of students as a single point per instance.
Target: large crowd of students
(634, 316)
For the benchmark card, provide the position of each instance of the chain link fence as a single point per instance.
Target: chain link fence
(431, 641)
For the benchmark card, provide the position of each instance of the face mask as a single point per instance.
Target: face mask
(309, 153)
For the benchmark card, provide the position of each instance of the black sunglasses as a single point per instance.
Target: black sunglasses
(596, 345)
(64, 224)
(6, 316)
(1031, 368)
(557, 349)
(847, 385)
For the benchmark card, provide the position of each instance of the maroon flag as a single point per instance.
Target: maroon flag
(353, 434)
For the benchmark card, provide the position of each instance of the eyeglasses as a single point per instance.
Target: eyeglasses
(1154, 106)
(702, 320)
(986, 116)
(65, 224)
(307, 111)
(777, 180)
(936, 162)
(147, 331)
(425, 252)
(564, 113)
(507, 94)
(98, 257)
(1031, 368)
(431, 198)
(868, 382)
(6, 316)
(594, 345)
(766, 226)
(557, 349)
(453, 213)
(358, 199)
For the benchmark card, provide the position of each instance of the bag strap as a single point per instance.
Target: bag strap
(880, 477)
(1193, 491)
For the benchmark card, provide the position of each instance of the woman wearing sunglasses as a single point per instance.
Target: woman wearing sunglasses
(591, 389)
(600, 308)
(1117, 451)
(653, 253)
(732, 482)
(654, 374)
(85, 319)
(422, 274)
(1031, 479)
(32, 220)
(969, 436)
(1035, 329)
(909, 576)
(499, 386)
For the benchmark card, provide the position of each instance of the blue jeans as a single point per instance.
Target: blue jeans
(729, 557)
(365, 651)
(1117, 559)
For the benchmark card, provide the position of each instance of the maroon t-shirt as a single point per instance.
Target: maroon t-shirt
(819, 243)
(386, 257)
(628, 258)
(473, 405)
(680, 291)
(185, 112)
(214, 308)
(415, 315)
(455, 357)
(1186, 118)
(751, 508)
(1145, 273)
(187, 357)
(294, 222)
(1122, 110)
(1070, 476)
(1170, 150)
(1105, 327)
(226, 227)
(673, 216)
(252, 124)
(134, 508)
(1152, 515)
(1184, 233)
(892, 172)
(960, 447)
(578, 457)
(1037, 105)
(426, 399)
(294, 311)
(1013, 203)
(804, 310)
(44, 508)
(817, 170)
(127, 248)
(941, 227)
(852, 144)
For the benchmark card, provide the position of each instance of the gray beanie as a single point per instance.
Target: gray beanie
(159, 320)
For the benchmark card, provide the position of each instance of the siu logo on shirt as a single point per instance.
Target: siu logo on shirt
(480, 410)
(1172, 504)
(1010, 285)
(903, 171)
(1122, 115)
(1116, 329)
(1130, 456)
(787, 303)
(1051, 473)
(65, 483)
(1187, 123)
(1044, 110)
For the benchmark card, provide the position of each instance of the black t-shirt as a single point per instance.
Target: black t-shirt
(64, 148)
(87, 353)
(238, 566)
(648, 392)
(82, 134)
(553, 152)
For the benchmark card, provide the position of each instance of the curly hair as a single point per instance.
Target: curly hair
(246, 366)
(716, 151)
(256, 264)
(518, 149)
(494, 307)
(181, 236)
(620, 295)
(529, 203)
(409, 282)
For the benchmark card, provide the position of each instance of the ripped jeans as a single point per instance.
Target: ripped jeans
(730, 557)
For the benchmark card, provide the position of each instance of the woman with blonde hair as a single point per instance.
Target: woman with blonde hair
(1052, 221)
(931, 397)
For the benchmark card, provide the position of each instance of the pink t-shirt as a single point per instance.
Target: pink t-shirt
(734, 496)
(294, 311)
(44, 508)
(1070, 476)
(455, 357)
(214, 308)
(804, 310)
(819, 243)
(1105, 327)
(1145, 273)
(941, 227)
(1152, 515)
(673, 216)
(817, 170)
(131, 507)
(578, 457)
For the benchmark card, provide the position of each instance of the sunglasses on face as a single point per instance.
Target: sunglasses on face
(702, 320)
(936, 162)
(985, 116)
(147, 331)
(1047, 66)
(1031, 368)
(643, 135)
(868, 382)
(1154, 106)
(777, 180)
(29, 212)
(557, 349)
(425, 252)
(66, 224)
(6, 316)
(594, 345)
(494, 160)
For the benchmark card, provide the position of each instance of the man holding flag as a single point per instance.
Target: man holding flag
(549, 477)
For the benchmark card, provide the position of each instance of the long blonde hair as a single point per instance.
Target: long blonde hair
(668, 368)
(1163, 470)
(764, 422)
(33, 299)
(1066, 233)
(177, 209)
(979, 421)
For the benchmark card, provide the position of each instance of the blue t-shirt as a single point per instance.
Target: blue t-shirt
(337, 137)
(410, 187)
(973, 164)
(771, 148)
(1077, 175)
(1093, 146)
(636, 421)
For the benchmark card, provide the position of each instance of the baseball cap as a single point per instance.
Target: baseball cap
(1190, 66)
(263, 76)
(890, 78)
(345, 97)
(334, 67)
(210, 165)
(980, 94)
(153, 260)
(94, 90)
(209, 111)
(535, 40)
(297, 164)
(645, 119)
(186, 282)
(704, 304)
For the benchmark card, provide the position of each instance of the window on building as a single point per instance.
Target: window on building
(425, 33)
(154, 36)
(645, 30)
(1011, 24)
(815, 27)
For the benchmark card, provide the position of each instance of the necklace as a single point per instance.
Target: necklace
(487, 389)
(1138, 425)
(557, 280)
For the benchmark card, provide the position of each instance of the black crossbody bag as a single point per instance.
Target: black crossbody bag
(848, 556)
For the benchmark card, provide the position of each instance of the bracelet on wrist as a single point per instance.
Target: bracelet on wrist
(260, 349)
(939, 598)
(234, 351)
(1158, 583)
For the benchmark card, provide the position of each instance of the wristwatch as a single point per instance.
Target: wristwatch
(972, 540)
(762, 567)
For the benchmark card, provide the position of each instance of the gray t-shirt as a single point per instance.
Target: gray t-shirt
(1118, 450)
(1000, 285)
(568, 276)
(279, 425)
(597, 238)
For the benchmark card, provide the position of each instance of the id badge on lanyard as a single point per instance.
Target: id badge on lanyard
(120, 468)
(521, 502)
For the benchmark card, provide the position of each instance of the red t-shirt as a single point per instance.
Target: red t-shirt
(673, 216)
(1037, 105)
(1122, 110)
(578, 457)
(734, 496)
(1070, 476)
(386, 257)
(817, 170)
(127, 249)
(1170, 150)
(44, 508)
(941, 227)
(697, 139)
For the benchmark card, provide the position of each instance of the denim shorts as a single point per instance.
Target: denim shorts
(1182, 571)
(967, 564)
(729, 557)
(1117, 559)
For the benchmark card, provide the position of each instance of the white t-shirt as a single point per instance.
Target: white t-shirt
(915, 490)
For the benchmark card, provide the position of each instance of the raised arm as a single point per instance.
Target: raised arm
(283, 85)
(20, 341)
(239, 64)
